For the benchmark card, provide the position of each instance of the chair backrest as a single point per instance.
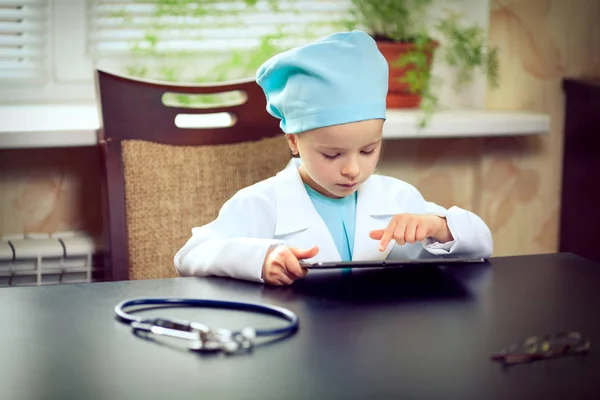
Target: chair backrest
(160, 180)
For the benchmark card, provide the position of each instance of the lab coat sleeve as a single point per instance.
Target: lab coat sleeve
(471, 236)
(235, 243)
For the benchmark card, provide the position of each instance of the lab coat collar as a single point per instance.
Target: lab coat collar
(295, 211)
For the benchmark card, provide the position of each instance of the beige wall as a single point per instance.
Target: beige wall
(513, 183)
(48, 190)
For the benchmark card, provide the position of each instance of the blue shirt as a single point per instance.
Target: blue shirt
(339, 216)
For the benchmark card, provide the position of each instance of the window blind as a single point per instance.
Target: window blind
(117, 27)
(23, 39)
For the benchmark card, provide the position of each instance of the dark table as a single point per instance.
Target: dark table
(411, 333)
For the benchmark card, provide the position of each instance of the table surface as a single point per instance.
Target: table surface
(402, 333)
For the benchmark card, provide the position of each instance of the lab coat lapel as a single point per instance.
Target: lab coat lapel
(374, 210)
(298, 222)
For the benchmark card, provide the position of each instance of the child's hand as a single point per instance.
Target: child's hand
(282, 267)
(412, 228)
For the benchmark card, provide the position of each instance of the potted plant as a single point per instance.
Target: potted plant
(399, 28)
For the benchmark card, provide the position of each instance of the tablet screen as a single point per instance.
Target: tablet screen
(391, 263)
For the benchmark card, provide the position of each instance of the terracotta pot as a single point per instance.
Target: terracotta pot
(399, 95)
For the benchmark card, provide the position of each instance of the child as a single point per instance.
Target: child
(326, 205)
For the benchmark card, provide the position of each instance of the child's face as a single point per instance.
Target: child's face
(337, 159)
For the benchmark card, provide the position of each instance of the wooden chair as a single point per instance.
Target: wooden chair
(160, 180)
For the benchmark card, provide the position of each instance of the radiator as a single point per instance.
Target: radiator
(37, 259)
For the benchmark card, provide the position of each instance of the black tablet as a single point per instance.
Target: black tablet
(391, 263)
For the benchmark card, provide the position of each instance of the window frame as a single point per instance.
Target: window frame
(70, 67)
(69, 71)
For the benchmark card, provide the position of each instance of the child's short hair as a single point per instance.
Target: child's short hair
(338, 79)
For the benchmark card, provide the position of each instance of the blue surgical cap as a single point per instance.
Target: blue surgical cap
(337, 79)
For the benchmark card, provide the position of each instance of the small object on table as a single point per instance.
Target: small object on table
(540, 348)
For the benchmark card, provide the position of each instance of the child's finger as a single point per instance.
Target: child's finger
(387, 235)
(411, 230)
(376, 234)
(284, 279)
(431, 230)
(301, 254)
(400, 232)
(273, 278)
(421, 233)
(292, 267)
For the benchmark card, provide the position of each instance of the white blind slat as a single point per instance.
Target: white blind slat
(31, 13)
(205, 33)
(19, 65)
(18, 3)
(19, 74)
(140, 8)
(24, 27)
(113, 24)
(12, 53)
(182, 23)
(23, 39)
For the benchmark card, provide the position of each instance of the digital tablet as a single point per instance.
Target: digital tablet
(391, 263)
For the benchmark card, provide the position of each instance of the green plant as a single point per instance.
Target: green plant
(395, 20)
(463, 47)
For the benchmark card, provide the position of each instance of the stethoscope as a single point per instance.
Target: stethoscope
(199, 336)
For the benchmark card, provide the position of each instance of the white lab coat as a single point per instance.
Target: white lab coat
(278, 210)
